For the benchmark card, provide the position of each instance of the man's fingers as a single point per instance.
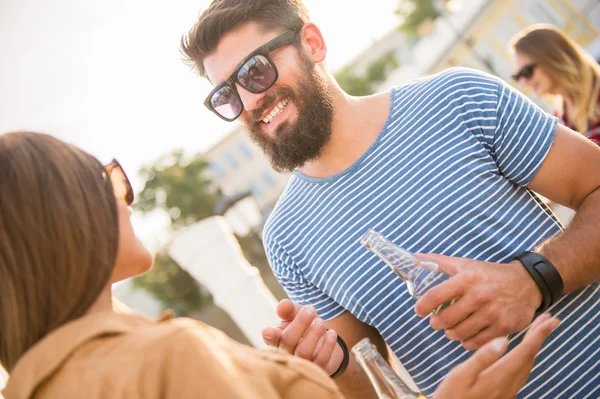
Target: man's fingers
(482, 359)
(460, 312)
(287, 310)
(450, 264)
(446, 292)
(467, 328)
(271, 336)
(290, 337)
(308, 343)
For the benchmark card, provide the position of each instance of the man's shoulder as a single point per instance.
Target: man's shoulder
(452, 77)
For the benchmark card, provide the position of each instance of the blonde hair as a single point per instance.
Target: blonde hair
(568, 65)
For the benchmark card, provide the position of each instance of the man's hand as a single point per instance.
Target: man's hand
(487, 375)
(302, 333)
(492, 300)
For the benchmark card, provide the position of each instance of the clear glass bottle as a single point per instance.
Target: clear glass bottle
(419, 274)
(384, 379)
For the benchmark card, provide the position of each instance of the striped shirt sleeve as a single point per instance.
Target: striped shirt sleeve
(298, 288)
(512, 128)
(523, 136)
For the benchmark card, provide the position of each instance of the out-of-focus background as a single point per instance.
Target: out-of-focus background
(107, 76)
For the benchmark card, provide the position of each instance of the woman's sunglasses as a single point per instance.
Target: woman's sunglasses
(526, 72)
(120, 182)
(256, 73)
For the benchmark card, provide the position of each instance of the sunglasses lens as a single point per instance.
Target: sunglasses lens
(527, 72)
(121, 185)
(226, 103)
(257, 75)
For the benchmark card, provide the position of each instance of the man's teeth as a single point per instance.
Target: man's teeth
(278, 108)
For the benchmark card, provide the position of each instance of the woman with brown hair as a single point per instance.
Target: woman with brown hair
(549, 62)
(65, 236)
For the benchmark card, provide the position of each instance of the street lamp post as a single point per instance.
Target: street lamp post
(452, 6)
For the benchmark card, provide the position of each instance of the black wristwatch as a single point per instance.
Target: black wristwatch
(545, 276)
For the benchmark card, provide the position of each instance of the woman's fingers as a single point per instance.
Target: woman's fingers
(323, 357)
(511, 372)
(481, 360)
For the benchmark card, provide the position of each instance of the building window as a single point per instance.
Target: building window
(217, 170)
(231, 160)
(268, 178)
(245, 149)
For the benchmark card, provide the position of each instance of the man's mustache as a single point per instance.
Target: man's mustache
(268, 101)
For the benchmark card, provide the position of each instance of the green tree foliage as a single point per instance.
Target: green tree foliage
(182, 189)
(380, 69)
(413, 13)
(352, 84)
(179, 187)
(362, 85)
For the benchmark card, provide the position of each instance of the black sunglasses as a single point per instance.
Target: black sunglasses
(526, 72)
(121, 185)
(256, 73)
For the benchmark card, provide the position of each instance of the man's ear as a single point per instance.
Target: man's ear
(313, 43)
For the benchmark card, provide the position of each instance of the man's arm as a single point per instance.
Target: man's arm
(570, 175)
(493, 300)
(298, 334)
(354, 383)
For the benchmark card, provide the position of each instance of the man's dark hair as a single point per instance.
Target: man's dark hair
(224, 16)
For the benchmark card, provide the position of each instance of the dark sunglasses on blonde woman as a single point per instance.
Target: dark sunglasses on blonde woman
(526, 72)
(121, 184)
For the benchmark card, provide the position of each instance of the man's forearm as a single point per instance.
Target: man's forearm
(576, 251)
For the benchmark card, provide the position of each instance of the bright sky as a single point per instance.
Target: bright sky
(107, 75)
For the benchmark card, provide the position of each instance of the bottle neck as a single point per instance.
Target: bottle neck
(384, 379)
(400, 260)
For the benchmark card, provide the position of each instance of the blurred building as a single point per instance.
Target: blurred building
(477, 35)
(486, 36)
(238, 165)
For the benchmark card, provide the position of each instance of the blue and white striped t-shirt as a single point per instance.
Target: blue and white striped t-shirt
(445, 175)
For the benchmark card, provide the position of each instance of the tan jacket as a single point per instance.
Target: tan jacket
(108, 355)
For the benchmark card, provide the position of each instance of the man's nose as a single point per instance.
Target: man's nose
(250, 100)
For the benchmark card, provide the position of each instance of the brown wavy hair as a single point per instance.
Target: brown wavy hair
(224, 16)
(59, 237)
(569, 67)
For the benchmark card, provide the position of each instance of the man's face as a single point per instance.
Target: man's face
(291, 121)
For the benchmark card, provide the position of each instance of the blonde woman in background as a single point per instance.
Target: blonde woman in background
(549, 62)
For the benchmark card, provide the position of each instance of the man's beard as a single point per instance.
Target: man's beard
(301, 141)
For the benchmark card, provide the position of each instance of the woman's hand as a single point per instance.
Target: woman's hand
(488, 375)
